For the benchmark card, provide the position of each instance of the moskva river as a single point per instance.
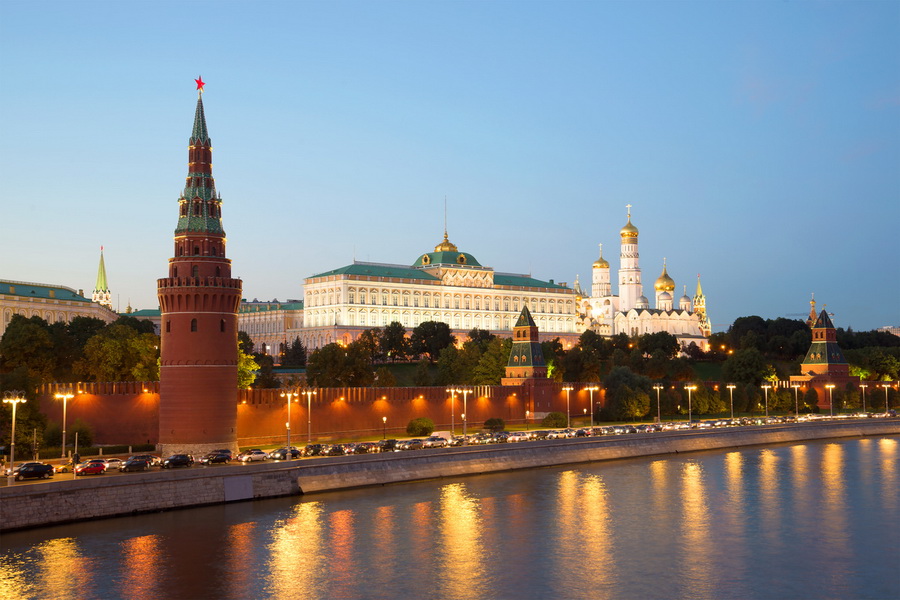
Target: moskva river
(809, 520)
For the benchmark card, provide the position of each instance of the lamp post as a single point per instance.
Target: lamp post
(65, 398)
(886, 407)
(592, 389)
(384, 428)
(568, 389)
(309, 395)
(658, 410)
(690, 388)
(731, 387)
(796, 399)
(464, 424)
(766, 389)
(526, 419)
(14, 397)
(830, 387)
(452, 393)
(863, 387)
(465, 393)
(288, 395)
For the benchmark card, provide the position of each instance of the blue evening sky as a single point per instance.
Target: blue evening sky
(758, 142)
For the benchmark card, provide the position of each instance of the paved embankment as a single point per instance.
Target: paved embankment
(67, 500)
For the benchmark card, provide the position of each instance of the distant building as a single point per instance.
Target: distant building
(271, 325)
(101, 294)
(891, 329)
(629, 312)
(824, 363)
(53, 303)
(526, 357)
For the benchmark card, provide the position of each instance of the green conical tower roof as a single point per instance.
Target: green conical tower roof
(199, 133)
(525, 318)
(101, 285)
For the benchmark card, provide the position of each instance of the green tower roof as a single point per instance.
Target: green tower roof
(199, 133)
(101, 285)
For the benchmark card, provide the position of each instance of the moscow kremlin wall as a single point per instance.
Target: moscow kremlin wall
(128, 412)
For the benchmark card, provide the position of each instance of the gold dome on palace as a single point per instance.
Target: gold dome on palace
(629, 230)
(664, 283)
(601, 263)
(446, 245)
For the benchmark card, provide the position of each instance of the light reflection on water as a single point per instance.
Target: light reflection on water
(796, 521)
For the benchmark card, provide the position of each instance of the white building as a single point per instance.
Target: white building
(53, 303)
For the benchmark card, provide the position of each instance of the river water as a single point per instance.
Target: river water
(810, 520)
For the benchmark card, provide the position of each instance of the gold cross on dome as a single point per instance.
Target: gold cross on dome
(628, 206)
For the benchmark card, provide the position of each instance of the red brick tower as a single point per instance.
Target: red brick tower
(199, 302)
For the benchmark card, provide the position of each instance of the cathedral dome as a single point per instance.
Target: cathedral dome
(629, 231)
(642, 302)
(665, 297)
(601, 263)
(664, 283)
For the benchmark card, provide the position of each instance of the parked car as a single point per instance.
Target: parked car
(13, 470)
(366, 447)
(178, 460)
(252, 455)
(34, 471)
(518, 436)
(214, 458)
(386, 445)
(434, 441)
(64, 467)
(114, 463)
(415, 444)
(333, 450)
(152, 459)
(282, 453)
(134, 464)
(91, 467)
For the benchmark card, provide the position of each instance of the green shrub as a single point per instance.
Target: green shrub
(555, 419)
(495, 424)
(420, 426)
(85, 434)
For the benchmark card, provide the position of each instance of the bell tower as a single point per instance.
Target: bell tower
(199, 303)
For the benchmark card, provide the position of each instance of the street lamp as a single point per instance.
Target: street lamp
(452, 393)
(796, 399)
(465, 393)
(886, 387)
(526, 419)
(65, 398)
(568, 389)
(830, 387)
(592, 389)
(658, 412)
(731, 387)
(384, 428)
(288, 395)
(690, 388)
(863, 387)
(464, 425)
(309, 395)
(14, 398)
(767, 388)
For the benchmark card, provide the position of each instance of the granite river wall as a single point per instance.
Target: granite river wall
(67, 500)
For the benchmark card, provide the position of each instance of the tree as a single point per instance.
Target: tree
(27, 343)
(84, 431)
(368, 345)
(120, 353)
(627, 404)
(810, 401)
(245, 343)
(747, 365)
(247, 368)
(480, 338)
(333, 365)
(495, 424)
(581, 364)
(294, 354)
(662, 341)
(139, 325)
(420, 426)
(623, 376)
(491, 367)
(554, 420)
(422, 376)
(393, 341)
(384, 377)
(265, 376)
(430, 338)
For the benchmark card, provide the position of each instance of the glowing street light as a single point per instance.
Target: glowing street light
(527, 412)
(863, 387)
(690, 388)
(309, 395)
(830, 387)
(886, 388)
(452, 393)
(658, 412)
(287, 425)
(766, 388)
(592, 389)
(731, 387)
(384, 428)
(568, 389)
(464, 424)
(796, 399)
(65, 398)
(465, 393)
(14, 397)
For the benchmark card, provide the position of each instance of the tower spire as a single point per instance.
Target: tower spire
(101, 293)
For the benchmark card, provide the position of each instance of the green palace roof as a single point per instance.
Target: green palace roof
(513, 280)
(252, 307)
(37, 290)
(447, 258)
(145, 313)
(378, 270)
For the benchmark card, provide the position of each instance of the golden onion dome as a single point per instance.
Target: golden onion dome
(664, 283)
(629, 231)
(601, 263)
(446, 245)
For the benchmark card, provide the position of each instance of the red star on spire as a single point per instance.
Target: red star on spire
(200, 82)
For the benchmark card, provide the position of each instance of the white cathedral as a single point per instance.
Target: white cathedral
(630, 311)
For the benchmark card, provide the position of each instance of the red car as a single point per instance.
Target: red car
(90, 468)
